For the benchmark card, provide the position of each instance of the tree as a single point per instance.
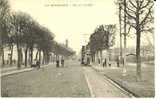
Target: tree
(11, 47)
(19, 23)
(29, 35)
(126, 30)
(102, 38)
(139, 14)
(4, 25)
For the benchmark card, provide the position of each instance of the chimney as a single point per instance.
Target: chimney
(66, 42)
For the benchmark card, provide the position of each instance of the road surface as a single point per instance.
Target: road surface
(73, 80)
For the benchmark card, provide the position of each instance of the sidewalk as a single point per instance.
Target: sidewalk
(145, 88)
(14, 70)
(99, 86)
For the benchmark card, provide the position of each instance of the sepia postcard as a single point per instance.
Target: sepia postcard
(77, 48)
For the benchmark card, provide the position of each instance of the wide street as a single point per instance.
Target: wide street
(73, 80)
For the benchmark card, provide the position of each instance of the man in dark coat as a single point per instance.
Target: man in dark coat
(38, 64)
(57, 63)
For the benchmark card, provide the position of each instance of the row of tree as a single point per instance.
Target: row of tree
(135, 17)
(102, 39)
(20, 29)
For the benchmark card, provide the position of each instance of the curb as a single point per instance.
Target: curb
(15, 72)
(117, 85)
(89, 86)
(18, 71)
(122, 88)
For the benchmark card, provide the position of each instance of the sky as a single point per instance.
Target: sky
(74, 23)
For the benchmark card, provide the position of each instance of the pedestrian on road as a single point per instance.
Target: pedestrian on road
(62, 62)
(118, 61)
(99, 61)
(57, 63)
(105, 63)
(38, 64)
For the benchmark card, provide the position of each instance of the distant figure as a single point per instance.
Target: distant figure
(38, 64)
(62, 62)
(88, 61)
(109, 64)
(98, 61)
(117, 61)
(57, 63)
(105, 63)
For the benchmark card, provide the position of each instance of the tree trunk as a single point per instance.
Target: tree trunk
(21, 56)
(36, 55)
(3, 62)
(124, 58)
(26, 52)
(43, 58)
(138, 58)
(120, 30)
(125, 34)
(18, 55)
(40, 56)
(12, 47)
(101, 57)
(96, 58)
(125, 46)
(31, 56)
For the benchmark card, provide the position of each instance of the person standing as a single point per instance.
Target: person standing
(103, 62)
(62, 62)
(38, 64)
(57, 63)
(118, 61)
(99, 61)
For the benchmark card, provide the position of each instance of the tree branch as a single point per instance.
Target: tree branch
(131, 24)
(149, 1)
(147, 30)
(130, 10)
(129, 29)
(132, 4)
(129, 15)
(149, 12)
(141, 2)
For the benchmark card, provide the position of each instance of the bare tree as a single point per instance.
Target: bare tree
(139, 14)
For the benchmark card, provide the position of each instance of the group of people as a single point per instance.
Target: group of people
(36, 64)
(60, 63)
(104, 62)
